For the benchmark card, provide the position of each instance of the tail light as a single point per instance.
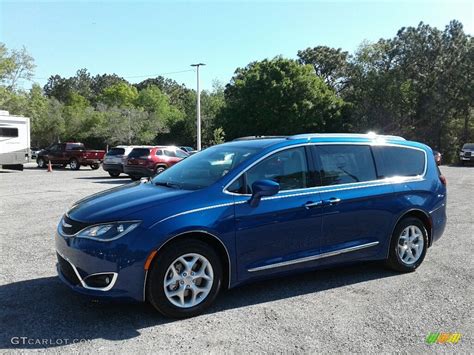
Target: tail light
(443, 180)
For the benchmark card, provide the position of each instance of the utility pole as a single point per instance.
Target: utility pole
(198, 108)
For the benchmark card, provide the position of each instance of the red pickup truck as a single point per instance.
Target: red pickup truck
(74, 154)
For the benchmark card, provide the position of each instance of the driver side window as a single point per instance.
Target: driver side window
(289, 168)
(54, 148)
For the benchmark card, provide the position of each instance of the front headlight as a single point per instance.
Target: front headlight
(108, 231)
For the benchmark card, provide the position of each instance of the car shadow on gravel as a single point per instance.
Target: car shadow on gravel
(107, 179)
(50, 315)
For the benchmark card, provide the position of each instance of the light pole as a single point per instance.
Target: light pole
(198, 108)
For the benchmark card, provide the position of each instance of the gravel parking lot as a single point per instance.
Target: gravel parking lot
(362, 308)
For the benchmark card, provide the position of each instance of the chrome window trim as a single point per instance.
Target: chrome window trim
(375, 143)
(190, 232)
(314, 257)
(128, 230)
(82, 281)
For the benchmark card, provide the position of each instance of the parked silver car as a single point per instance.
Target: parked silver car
(115, 159)
(466, 154)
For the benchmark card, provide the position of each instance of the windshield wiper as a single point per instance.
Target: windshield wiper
(168, 184)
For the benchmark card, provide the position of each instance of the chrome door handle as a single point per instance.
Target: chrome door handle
(332, 201)
(311, 204)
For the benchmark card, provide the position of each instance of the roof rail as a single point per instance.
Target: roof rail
(344, 135)
(257, 137)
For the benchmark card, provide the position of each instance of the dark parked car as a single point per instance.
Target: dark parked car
(149, 161)
(252, 209)
(72, 153)
(467, 153)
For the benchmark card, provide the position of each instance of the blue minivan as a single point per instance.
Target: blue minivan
(251, 209)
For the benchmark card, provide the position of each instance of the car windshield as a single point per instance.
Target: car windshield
(468, 146)
(204, 168)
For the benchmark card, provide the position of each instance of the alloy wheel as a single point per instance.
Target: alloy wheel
(188, 280)
(410, 245)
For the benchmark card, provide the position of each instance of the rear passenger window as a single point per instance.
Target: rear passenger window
(345, 164)
(399, 161)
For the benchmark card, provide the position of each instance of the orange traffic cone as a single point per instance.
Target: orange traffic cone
(50, 167)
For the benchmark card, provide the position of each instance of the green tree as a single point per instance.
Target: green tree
(278, 96)
(417, 84)
(329, 63)
(101, 82)
(120, 95)
(15, 65)
(178, 93)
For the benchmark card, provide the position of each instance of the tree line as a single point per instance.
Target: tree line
(417, 84)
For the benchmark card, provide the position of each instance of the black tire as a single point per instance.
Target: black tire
(95, 166)
(41, 163)
(135, 177)
(74, 164)
(155, 292)
(64, 165)
(394, 260)
(159, 169)
(114, 174)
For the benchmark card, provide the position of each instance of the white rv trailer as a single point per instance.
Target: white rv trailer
(14, 141)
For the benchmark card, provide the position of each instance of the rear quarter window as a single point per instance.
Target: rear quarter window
(399, 161)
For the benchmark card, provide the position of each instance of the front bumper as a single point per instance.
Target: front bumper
(466, 158)
(140, 171)
(80, 261)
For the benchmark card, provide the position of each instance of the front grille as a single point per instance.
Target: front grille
(467, 154)
(67, 271)
(70, 226)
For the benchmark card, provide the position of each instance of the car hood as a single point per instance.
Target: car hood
(120, 202)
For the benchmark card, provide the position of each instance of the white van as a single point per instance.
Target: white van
(14, 141)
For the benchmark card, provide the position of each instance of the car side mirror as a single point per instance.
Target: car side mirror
(263, 188)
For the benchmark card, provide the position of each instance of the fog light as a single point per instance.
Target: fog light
(99, 281)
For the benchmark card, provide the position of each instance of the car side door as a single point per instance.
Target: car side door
(55, 153)
(357, 214)
(283, 229)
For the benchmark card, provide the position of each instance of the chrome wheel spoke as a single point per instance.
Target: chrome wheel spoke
(194, 294)
(402, 250)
